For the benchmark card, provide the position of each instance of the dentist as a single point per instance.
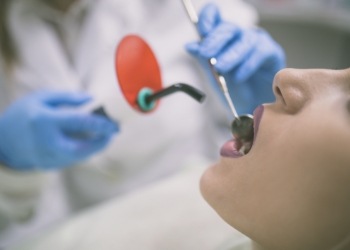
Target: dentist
(57, 62)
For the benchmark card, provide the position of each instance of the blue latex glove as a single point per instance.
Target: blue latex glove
(37, 133)
(247, 58)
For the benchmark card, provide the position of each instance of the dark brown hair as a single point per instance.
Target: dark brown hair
(7, 47)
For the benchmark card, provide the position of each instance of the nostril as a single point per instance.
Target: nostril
(279, 94)
(278, 91)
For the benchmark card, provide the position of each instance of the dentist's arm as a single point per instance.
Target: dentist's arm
(248, 58)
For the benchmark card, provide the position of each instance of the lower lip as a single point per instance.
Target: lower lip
(230, 148)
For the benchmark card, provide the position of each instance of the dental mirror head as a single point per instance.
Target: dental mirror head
(243, 130)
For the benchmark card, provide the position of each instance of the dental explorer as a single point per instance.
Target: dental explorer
(242, 126)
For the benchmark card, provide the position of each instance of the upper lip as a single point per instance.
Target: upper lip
(258, 112)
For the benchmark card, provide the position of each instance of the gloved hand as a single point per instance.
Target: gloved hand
(37, 133)
(247, 58)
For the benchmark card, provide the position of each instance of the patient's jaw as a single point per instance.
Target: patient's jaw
(292, 191)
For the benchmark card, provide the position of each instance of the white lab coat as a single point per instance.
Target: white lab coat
(149, 146)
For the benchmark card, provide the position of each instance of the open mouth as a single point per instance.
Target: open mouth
(234, 148)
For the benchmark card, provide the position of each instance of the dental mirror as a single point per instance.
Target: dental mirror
(242, 126)
(139, 76)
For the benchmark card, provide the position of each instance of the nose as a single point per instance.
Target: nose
(292, 89)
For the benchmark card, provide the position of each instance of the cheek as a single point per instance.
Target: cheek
(299, 187)
(290, 184)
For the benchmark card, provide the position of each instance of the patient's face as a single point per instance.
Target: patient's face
(292, 190)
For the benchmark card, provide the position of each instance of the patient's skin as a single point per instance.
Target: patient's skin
(292, 190)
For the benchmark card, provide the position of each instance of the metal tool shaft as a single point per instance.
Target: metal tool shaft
(190, 10)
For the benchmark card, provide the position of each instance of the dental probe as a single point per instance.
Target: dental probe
(212, 61)
(241, 126)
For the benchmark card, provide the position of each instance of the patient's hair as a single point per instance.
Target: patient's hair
(7, 47)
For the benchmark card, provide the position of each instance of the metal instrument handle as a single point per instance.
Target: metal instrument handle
(220, 80)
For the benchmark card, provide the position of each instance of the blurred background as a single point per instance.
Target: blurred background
(314, 33)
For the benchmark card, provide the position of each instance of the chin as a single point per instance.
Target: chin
(212, 189)
(207, 186)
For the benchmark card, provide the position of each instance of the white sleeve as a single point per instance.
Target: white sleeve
(19, 195)
(19, 191)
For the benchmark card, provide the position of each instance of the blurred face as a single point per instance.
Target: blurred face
(62, 5)
(292, 190)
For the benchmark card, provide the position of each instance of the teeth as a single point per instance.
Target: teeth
(243, 131)
(245, 148)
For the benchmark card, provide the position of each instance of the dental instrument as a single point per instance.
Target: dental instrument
(139, 76)
(146, 98)
(242, 126)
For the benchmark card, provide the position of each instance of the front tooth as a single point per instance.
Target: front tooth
(245, 148)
